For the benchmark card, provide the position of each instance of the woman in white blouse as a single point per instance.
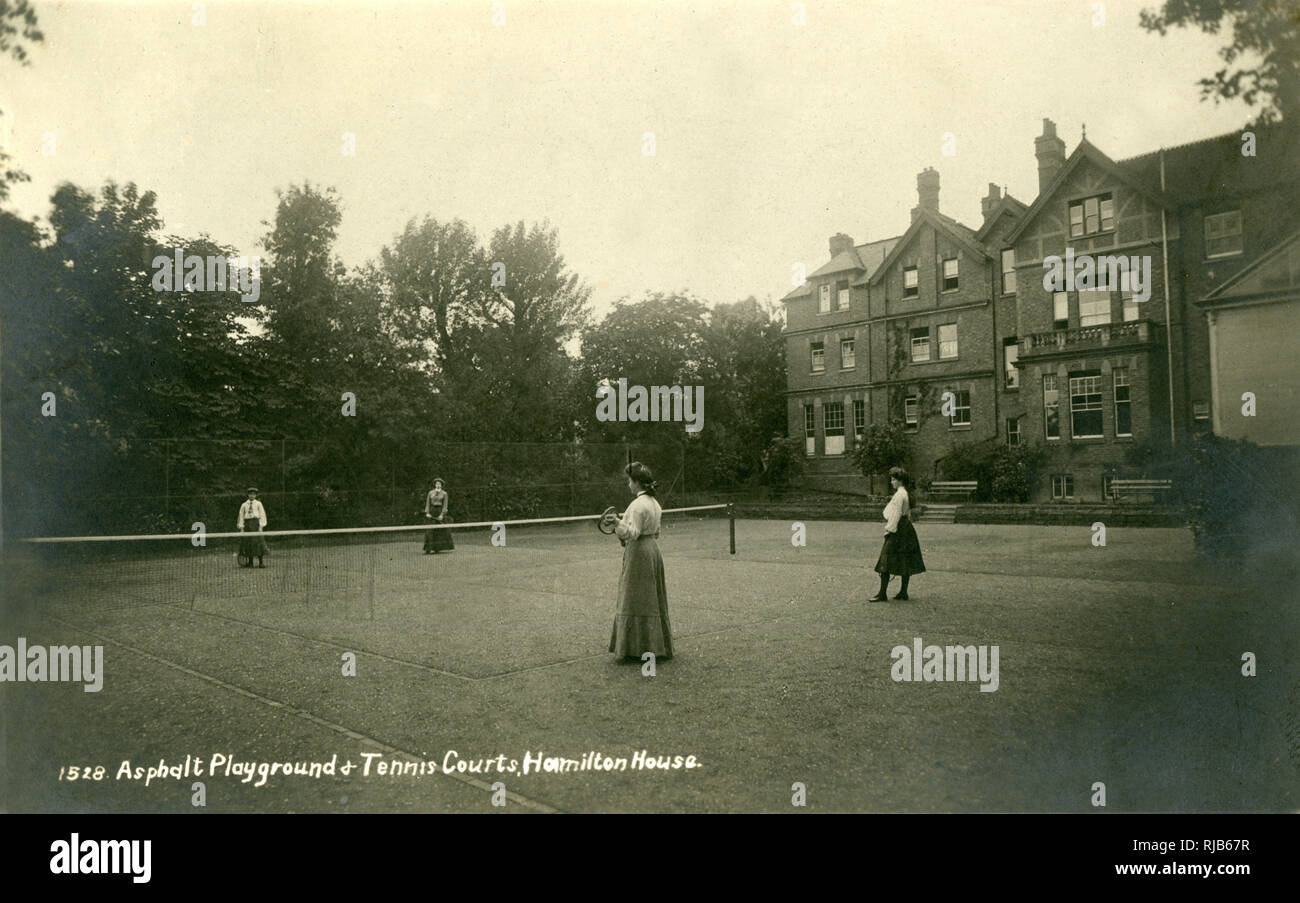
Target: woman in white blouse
(641, 621)
(901, 553)
(251, 521)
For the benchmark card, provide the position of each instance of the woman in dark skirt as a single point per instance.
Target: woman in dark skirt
(251, 522)
(901, 553)
(641, 620)
(435, 508)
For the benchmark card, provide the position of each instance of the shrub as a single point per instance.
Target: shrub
(1240, 499)
(1013, 471)
(1004, 473)
(783, 462)
(883, 445)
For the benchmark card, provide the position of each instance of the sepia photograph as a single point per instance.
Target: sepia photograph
(591, 407)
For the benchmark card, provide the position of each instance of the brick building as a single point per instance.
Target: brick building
(884, 330)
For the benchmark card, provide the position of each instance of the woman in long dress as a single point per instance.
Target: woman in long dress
(641, 621)
(435, 508)
(901, 553)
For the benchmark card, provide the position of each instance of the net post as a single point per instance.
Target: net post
(731, 516)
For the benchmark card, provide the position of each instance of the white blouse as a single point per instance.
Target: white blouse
(249, 510)
(640, 519)
(896, 510)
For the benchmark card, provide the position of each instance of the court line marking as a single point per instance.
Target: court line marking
(497, 676)
(308, 716)
(429, 668)
(324, 642)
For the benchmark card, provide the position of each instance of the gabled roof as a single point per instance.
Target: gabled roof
(1215, 167)
(963, 235)
(864, 258)
(798, 292)
(873, 255)
(845, 260)
(1276, 272)
(1008, 206)
(1087, 151)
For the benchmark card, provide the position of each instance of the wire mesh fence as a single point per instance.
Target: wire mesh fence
(167, 486)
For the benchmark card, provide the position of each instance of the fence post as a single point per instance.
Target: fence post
(681, 467)
(731, 515)
(372, 582)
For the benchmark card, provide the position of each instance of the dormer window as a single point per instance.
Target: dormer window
(1092, 215)
(1223, 234)
(824, 299)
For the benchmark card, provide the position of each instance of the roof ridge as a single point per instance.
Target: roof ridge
(878, 241)
(1236, 134)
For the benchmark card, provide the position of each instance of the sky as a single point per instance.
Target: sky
(768, 136)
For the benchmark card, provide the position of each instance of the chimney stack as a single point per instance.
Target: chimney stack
(987, 204)
(927, 189)
(1050, 151)
(840, 243)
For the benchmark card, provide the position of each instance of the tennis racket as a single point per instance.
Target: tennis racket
(604, 518)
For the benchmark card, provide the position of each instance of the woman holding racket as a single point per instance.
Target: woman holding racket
(435, 508)
(641, 620)
(252, 521)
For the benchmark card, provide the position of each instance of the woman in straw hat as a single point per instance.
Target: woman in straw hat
(252, 521)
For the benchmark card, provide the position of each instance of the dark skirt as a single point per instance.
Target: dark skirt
(641, 622)
(901, 553)
(439, 540)
(251, 544)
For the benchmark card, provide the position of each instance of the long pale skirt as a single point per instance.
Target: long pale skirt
(641, 622)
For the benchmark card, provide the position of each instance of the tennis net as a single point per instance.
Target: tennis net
(340, 569)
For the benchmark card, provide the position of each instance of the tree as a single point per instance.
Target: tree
(745, 372)
(300, 301)
(18, 27)
(883, 445)
(657, 341)
(128, 361)
(532, 306)
(1267, 28)
(436, 276)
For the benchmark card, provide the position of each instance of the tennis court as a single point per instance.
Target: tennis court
(1119, 664)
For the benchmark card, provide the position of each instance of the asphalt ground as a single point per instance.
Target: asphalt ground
(1118, 664)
